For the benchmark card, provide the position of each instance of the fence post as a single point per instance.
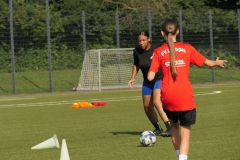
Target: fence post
(49, 46)
(12, 48)
(211, 42)
(117, 29)
(84, 42)
(118, 46)
(150, 25)
(84, 33)
(180, 26)
(238, 11)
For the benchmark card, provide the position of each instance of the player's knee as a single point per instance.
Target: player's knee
(174, 126)
(148, 108)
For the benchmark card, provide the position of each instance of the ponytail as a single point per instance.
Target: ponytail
(170, 28)
(172, 55)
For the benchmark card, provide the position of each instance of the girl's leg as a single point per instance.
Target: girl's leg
(185, 140)
(150, 112)
(148, 108)
(158, 104)
(186, 119)
(176, 138)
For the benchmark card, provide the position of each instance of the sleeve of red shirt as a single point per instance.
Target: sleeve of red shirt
(155, 64)
(196, 58)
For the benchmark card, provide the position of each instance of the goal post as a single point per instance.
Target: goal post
(107, 69)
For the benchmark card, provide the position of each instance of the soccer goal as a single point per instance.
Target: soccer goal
(107, 69)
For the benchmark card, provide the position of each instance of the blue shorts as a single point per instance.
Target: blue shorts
(147, 89)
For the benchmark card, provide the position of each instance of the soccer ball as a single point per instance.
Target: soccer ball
(147, 138)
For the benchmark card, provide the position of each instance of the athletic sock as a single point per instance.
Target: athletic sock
(168, 126)
(183, 157)
(157, 126)
(177, 153)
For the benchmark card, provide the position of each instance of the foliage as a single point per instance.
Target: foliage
(5, 61)
(97, 23)
(66, 28)
(222, 53)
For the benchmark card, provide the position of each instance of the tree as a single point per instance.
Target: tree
(223, 4)
(140, 5)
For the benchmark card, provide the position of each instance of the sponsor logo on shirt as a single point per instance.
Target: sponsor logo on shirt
(176, 49)
(178, 63)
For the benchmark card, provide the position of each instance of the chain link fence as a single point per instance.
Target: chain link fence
(43, 50)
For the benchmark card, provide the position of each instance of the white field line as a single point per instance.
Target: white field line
(68, 102)
(133, 98)
(15, 99)
(214, 92)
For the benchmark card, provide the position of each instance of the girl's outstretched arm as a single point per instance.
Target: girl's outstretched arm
(218, 62)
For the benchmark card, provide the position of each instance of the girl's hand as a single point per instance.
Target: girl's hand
(130, 83)
(221, 62)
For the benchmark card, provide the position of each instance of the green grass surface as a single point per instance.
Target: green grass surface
(38, 82)
(112, 131)
(65, 80)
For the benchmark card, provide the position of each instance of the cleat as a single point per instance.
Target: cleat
(167, 133)
(158, 131)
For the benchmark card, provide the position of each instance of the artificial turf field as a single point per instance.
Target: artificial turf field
(112, 131)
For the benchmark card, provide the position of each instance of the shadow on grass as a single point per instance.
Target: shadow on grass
(129, 132)
(35, 84)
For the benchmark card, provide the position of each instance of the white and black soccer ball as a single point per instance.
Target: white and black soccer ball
(147, 138)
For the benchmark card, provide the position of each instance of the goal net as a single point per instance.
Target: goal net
(107, 69)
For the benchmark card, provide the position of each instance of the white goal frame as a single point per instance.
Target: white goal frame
(100, 65)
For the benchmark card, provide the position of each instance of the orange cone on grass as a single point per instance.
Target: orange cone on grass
(75, 105)
(82, 104)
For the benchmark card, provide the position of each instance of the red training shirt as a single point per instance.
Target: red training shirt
(176, 95)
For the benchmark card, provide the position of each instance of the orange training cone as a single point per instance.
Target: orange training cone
(75, 105)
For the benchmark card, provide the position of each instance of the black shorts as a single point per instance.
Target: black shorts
(186, 118)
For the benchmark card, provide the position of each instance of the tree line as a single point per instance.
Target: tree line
(30, 35)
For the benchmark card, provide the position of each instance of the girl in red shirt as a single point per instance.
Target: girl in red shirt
(174, 59)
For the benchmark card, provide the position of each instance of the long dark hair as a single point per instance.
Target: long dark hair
(170, 28)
